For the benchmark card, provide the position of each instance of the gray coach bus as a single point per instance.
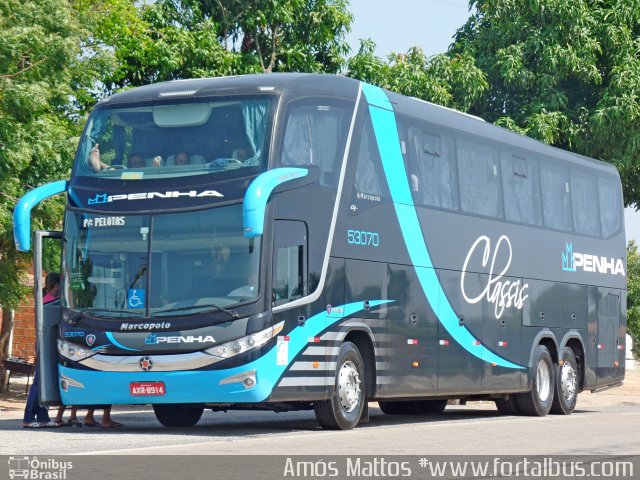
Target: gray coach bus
(293, 241)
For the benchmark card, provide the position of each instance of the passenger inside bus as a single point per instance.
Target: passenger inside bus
(182, 158)
(136, 160)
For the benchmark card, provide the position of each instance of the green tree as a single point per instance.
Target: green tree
(171, 39)
(448, 81)
(633, 296)
(566, 73)
(39, 48)
(45, 80)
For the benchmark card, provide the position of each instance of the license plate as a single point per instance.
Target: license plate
(147, 388)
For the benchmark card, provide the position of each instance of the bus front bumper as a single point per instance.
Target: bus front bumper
(235, 385)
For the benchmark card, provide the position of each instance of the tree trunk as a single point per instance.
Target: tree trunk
(5, 334)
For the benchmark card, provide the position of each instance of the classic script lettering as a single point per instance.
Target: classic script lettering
(502, 293)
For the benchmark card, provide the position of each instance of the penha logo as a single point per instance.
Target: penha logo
(154, 339)
(574, 261)
(106, 198)
(568, 264)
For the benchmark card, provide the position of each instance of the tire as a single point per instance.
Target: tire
(537, 402)
(176, 415)
(507, 406)
(567, 381)
(392, 408)
(344, 409)
(427, 407)
(413, 407)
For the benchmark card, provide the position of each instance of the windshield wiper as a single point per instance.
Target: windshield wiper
(95, 311)
(214, 307)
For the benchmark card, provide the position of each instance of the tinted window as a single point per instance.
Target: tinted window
(175, 140)
(610, 206)
(315, 135)
(431, 169)
(369, 173)
(521, 189)
(584, 196)
(556, 200)
(479, 183)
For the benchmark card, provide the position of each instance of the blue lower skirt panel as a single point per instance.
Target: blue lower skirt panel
(102, 388)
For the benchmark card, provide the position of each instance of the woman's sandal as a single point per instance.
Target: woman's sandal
(74, 422)
(112, 425)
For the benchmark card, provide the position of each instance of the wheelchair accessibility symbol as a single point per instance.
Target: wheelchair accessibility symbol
(135, 298)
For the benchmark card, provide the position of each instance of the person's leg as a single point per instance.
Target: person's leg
(31, 407)
(89, 419)
(59, 415)
(73, 418)
(107, 422)
(74, 414)
(33, 412)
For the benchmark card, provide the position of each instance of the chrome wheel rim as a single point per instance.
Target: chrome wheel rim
(349, 387)
(543, 380)
(569, 381)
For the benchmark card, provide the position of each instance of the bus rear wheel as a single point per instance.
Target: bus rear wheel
(176, 415)
(413, 407)
(344, 409)
(538, 401)
(566, 373)
(507, 406)
(392, 407)
(427, 407)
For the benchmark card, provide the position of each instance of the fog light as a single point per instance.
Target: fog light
(248, 379)
(64, 385)
(249, 382)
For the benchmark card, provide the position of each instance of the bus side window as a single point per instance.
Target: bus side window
(289, 262)
(610, 206)
(584, 196)
(431, 173)
(479, 180)
(315, 135)
(521, 189)
(556, 197)
(370, 176)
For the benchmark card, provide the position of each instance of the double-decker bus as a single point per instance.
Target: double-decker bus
(294, 241)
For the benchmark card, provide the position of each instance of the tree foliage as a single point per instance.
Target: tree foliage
(39, 51)
(566, 73)
(449, 81)
(633, 296)
(171, 39)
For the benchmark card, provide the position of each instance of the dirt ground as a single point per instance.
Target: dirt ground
(628, 394)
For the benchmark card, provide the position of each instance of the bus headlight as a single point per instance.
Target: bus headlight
(241, 345)
(73, 352)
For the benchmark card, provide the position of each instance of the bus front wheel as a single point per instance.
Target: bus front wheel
(344, 409)
(171, 415)
(538, 401)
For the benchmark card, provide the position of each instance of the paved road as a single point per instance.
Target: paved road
(461, 430)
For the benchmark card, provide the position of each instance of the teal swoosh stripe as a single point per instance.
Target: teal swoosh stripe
(195, 385)
(113, 340)
(386, 132)
(299, 337)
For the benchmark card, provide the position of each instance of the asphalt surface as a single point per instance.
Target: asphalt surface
(604, 423)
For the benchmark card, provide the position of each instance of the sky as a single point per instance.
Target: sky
(397, 25)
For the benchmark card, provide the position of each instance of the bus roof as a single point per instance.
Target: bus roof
(307, 84)
(297, 83)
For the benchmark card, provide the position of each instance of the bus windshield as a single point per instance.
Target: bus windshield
(141, 265)
(173, 140)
